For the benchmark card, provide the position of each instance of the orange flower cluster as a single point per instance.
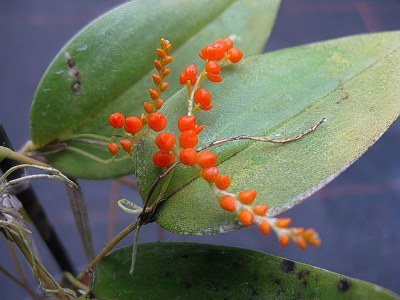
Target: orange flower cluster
(203, 162)
(155, 121)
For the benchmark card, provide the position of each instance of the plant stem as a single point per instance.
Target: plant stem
(119, 237)
(31, 203)
(10, 154)
(11, 250)
(23, 285)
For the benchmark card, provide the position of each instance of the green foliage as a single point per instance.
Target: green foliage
(114, 56)
(196, 271)
(353, 82)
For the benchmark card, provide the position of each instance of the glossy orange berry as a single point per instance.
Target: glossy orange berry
(189, 74)
(247, 196)
(223, 44)
(206, 159)
(222, 182)
(208, 52)
(148, 107)
(187, 123)
(126, 145)
(133, 124)
(165, 141)
(202, 97)
(156, 121)
(206, 107)
(116, 120)
(163, 159)
(214, 78)
(264, 227)
(210, 174)
(283, 222)
(228, 203)
(235, 55)
(113, 148)
(260, 209)
(245, 217)
(213, 67)
(229, 43)
(188, 156)
(215, 51)
(188, 139)
(283, 239)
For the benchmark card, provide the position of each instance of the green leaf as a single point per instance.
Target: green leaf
(114, 55)
(199, 271)
(353, 82)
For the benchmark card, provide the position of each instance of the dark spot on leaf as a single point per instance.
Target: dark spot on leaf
(185, 256)
(70, 62)
(345, 95)
(167, 274)
(344, 285)
(298, 296)
(287, 266)
(302, 275)
(76, 87)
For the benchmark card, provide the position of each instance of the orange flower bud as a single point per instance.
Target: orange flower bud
(260, 209)
(247, 196)
(264, 227)
(283, 223)
(222, 182)
(245, 217)
(159, 103)
(283, 239)
(210, 174)
(228, 203)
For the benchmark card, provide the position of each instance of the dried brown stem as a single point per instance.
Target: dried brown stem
(261, 139)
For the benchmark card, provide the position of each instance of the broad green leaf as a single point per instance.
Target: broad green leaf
(114, 55)
(199, 271)
(354, 82)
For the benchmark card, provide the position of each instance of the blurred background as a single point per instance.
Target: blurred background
(357, 215)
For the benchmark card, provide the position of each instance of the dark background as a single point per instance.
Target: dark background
(357, 215)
